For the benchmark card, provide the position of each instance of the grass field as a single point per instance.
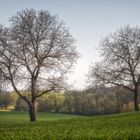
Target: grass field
(16, 126)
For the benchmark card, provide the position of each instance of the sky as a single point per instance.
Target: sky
(87, 20)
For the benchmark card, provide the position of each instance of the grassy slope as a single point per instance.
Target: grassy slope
(15, 126)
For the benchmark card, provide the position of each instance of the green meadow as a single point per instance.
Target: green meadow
(49, 126)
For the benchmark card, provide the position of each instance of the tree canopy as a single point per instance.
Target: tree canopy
(36, 52)
(120, 64)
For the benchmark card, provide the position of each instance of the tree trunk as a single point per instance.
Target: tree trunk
(136, 100)
(5, 107)
(32, 112)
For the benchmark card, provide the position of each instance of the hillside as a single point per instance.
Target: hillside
(15, 126)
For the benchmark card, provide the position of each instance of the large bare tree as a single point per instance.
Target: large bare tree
(120, 64)
(36, 52)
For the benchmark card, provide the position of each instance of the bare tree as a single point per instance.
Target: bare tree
(36, 52)
(120, 63)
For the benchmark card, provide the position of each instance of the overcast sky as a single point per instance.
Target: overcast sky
(88, 21)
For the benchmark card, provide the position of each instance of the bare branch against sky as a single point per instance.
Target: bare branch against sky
(88, 21)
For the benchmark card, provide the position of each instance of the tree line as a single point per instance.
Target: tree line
(87, 102)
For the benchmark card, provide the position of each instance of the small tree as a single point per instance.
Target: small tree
(36, 52)
(21, 105)
(120, 63)
(7, 99)
(51, 103)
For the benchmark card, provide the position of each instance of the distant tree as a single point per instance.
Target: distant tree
(51, 103)
(123, 96)
(120, 63)
(21, 105)
(36, 52)
(55, 102)
(42, 104)
(7, 99)
(68, 102)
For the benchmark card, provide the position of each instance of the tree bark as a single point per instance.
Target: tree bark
(136, 100)
(32, 112)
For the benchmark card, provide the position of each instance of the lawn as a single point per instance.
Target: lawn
(49, 126)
